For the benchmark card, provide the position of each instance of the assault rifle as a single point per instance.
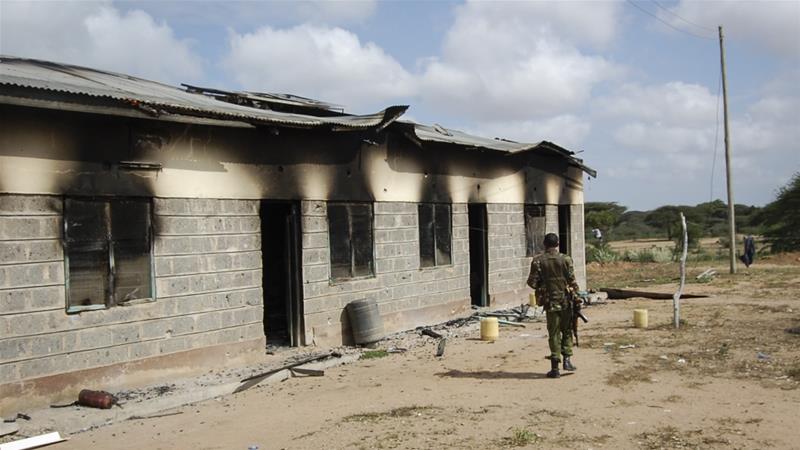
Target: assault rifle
(576, 300)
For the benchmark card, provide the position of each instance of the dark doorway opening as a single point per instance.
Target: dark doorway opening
(478, 255)
(563, 229)
(281, 273)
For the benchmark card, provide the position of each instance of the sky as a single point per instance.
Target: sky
(634, 85)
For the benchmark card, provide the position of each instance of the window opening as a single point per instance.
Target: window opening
(108, 252)
(350, 233)
(435, 234)
(535, 225)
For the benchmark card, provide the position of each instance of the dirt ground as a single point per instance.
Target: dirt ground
(729, 378)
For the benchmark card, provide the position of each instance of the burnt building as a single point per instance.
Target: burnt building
(147, 229)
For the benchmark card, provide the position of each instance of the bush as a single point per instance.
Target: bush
(601, 252)
(648, 255)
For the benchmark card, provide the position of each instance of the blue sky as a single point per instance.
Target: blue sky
(636, 96)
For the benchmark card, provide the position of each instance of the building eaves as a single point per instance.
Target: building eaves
(83, 85)
(437, 133)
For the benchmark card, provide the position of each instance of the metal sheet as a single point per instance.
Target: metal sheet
(80, 81)
(437, 133)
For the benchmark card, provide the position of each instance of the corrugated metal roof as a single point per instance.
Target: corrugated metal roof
(438, 133)
(133, 91)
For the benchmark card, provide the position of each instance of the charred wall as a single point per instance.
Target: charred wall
(53, 152)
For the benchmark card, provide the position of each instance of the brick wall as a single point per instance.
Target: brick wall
(508, 265)
(577, 243)
(407, 295)
(208, 288)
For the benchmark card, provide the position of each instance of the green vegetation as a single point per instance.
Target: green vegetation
(374, 354)
(708, 219)
(781, 218)
(520, 437)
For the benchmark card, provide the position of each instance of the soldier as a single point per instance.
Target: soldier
(553, 278)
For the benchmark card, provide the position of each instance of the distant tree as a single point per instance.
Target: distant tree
(666, 219)
(781, 218)
(602, 215)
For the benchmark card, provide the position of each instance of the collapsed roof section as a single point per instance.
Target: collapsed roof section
(44, 84)
(436, 133)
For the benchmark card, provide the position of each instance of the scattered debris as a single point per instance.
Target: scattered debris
(249, 382)
(7, 428)
(762, 356)
(34, 442)
(18, 416)
(431, 333)
(795, 330)
(440, 347)
(623, 347)
(622, 294)
(155, 416)
(707, 275)
(514, 324)
(681, 361)
(96, 399)
(307, 372)
(396, 350)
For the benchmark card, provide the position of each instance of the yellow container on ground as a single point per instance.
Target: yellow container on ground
(532, 299)
(490, 329)
(640, 318)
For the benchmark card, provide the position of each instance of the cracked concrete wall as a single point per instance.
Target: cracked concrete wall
(407, 295)
(207, 264)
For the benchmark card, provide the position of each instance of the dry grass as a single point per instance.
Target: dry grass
(402, 412)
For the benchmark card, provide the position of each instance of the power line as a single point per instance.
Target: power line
(710, 30)
(655, 16)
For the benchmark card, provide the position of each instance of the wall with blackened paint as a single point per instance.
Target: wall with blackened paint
(51, 152)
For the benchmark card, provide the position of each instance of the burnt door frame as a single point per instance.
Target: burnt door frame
(478, 254)
(292, 241)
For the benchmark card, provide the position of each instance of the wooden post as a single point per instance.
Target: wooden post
(676, 299)
(731, 218)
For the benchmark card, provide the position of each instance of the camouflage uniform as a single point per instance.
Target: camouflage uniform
(552, 275)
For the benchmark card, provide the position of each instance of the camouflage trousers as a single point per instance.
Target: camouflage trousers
(559, 332)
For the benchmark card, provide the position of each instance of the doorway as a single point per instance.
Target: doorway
(564, 245)
(478, 255)
(280, 272)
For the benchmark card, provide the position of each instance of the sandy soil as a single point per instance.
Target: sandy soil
(729, 378)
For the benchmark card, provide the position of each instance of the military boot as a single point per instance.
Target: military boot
(568, 365)
(553, 369)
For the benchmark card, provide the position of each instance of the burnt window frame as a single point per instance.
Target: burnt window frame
(353, 265)
(109, 301)
(434, 206)
(531, 242)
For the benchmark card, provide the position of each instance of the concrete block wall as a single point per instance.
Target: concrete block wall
(508, 265)
(407, 295)
(577, 243)
(208, 288)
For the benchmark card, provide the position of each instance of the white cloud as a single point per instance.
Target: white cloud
(257, 13)
(672, 103)
(566, 130)
(772, 24)
(517, 60)
(331, 64)
(96, 34)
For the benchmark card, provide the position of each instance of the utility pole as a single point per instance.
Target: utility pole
(731, 216)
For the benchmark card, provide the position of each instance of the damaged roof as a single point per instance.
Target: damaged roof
(437, 133)
(90, 90)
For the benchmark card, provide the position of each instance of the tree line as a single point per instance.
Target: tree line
(778, 222)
